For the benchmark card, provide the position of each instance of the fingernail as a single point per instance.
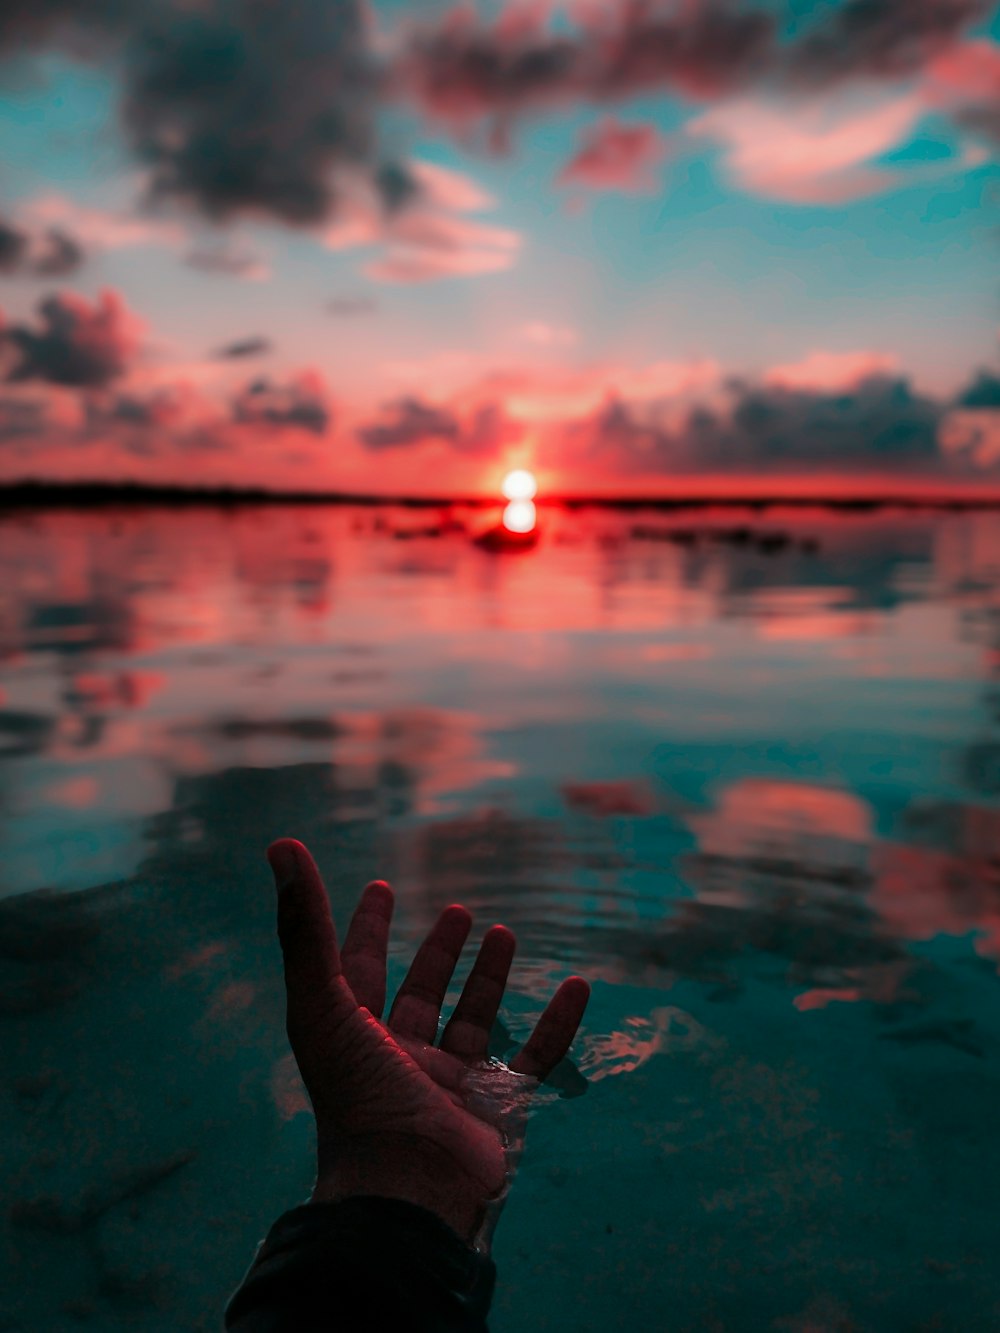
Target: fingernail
(285, 865)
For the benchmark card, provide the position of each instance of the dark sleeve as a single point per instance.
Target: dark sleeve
(364, 1265)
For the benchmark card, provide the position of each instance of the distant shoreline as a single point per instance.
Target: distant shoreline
(93, 495)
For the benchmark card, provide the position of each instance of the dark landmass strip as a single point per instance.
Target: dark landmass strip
(93, 495)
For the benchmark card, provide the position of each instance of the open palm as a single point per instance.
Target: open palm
(395, 1114)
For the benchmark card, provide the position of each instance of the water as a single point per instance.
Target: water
(742, 771)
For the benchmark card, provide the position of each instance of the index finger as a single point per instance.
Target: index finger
(306, 931)
(554, 1031)
(367, 945)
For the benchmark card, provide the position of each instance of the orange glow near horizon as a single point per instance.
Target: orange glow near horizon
(519, 516)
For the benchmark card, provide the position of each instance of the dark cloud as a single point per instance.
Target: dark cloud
(409, 421)
(881, 424)
(79, 26)
(13, 247)
(345, 307)
(235, 106)
(984, 391)
(50, 254)
(245, 347)
(302, 403)
(250, 106)
(465, 71)
(59, 255)
(160, 408)
(462, 71)
(877, 39)
(74, 343)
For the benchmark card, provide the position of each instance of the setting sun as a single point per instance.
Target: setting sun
(519, 485)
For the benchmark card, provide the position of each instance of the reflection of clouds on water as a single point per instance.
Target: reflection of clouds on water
(667, 1030)
(746, 765)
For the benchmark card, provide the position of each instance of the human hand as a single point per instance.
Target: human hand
(440, 1126)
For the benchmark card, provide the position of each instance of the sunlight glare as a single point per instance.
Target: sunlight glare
(519, 485)
(519, 516)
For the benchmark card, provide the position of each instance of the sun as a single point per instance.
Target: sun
(519, 485)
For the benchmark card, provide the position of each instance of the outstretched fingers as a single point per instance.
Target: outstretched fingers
(367, 945)
(554, 1031)
(467, 1034)
(314, 982)
(417, 1007)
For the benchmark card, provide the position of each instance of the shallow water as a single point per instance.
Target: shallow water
(741, 770)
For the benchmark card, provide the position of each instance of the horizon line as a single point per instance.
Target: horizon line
(28, 491)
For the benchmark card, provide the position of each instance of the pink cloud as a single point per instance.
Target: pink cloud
(549, 335)
(809, 154)
(571, 393)
(616, 156)
(968, 72)
(451, 190)
(98, 228)
(831, 371)
(425, 238)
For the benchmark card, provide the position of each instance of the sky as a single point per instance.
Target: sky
(641, 247)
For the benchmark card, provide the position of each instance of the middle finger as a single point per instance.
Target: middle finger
(417, 1007)
(468, 1032)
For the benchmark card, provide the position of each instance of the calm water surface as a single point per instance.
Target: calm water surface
(741, 771)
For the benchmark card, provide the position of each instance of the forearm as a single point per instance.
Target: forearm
(363, 1265)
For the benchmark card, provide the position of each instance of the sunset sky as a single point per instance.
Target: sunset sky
(633, 246)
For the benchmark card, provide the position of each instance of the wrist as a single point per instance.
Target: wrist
(423, 1175)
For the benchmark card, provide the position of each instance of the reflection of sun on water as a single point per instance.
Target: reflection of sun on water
(519, 516)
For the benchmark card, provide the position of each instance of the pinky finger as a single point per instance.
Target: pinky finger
(554, 1031)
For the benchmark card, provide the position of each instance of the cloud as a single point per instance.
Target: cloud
(240, 107)
(971, 437)
(425, 238)
(75, 343)
(877, 39)
(51, 253)
(99, 229)
(27, 416)
(881, 424)
(301, 403)
(983, 391)
(460, 71)
(347, 307)
(228, 260)
(245, 347)
(616, 156)
(831, 371)
(548, 335)
(567, 394)
(811, 154)
(235, 107)
(464, 72)
(410, 421)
